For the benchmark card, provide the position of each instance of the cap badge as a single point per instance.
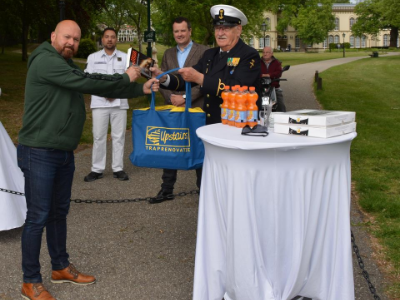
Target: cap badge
(221, 14)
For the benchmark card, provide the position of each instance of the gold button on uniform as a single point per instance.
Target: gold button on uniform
(208, 115)
(208, 105)
(208, 95)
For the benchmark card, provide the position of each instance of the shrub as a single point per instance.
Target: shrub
(86, 47)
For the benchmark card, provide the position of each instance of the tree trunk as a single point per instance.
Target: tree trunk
(25, 30)
(394, 33)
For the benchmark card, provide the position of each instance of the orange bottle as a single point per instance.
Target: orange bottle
(231, 106)
(224, 105)
(241, 109)
(246, 91)
(252, 109)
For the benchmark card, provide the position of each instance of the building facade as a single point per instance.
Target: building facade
(344, 20)
(126, 34)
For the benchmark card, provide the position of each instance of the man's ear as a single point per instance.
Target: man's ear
(53, 37)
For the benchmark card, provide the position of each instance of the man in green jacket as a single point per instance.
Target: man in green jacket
(54, 115)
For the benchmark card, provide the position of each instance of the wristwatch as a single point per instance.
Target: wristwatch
(184, 97)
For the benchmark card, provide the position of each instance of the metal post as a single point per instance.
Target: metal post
(62, 10)
(344, 35)
(264, 29)
(148, 28)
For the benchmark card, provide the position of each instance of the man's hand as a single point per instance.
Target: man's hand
(177, 100)
(191, 75)
(265, 75)
(156, 71)
(133, 73)
(151, 85)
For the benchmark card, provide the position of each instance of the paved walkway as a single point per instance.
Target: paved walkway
(140, 251)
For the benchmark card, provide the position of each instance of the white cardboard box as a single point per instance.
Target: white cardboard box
(313, 117)
(314, 131)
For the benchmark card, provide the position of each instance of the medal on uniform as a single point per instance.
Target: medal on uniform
(233, 62)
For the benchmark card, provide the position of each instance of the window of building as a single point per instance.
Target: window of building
(297, 42)
(251, 42)
(357, 39)
(351, 41)
(337, 24)
(261, 42)
(337, 40)
(386, 39)
(352, 21)
(325, 43)
(268, 22)
(331, 39)
(398, 41)
(267, 41)
(363, 41)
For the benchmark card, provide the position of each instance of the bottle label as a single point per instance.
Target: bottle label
(224, 113)
(231, 115)
(241, 116)
(252, 116)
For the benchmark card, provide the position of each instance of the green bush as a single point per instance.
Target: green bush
(86, 47)
(333, 46)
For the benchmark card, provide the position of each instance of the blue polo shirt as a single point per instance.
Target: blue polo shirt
(183, 54)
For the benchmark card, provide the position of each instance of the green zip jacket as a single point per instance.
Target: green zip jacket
(54, 111)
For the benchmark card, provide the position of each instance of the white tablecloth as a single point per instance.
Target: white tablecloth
(12, 207)
(274, 217)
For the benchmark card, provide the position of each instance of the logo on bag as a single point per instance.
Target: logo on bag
(167, 139)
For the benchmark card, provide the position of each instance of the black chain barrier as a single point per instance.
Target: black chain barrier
(12, 192)
(194, 192)
(372, 289)
(90, 201)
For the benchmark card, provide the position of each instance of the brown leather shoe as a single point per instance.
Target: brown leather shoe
(35, 291)
(71, 275)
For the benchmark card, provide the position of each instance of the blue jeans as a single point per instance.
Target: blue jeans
(48, 182)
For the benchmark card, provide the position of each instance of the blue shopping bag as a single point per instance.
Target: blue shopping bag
(165, 137)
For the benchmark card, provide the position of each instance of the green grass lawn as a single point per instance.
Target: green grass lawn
(370, 88)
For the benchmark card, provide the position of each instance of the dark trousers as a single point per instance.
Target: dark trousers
(48, 181)
(281, 107)
(169, 178)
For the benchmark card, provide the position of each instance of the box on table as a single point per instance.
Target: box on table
(314, 131)
(315, 123)
(313, 117)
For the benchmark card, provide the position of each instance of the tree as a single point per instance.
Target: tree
(311, 19)
(114, 14)
(198, 12)
(137, 13)
(374, 15)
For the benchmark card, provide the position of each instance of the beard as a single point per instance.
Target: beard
(110, 46)
(67, 52)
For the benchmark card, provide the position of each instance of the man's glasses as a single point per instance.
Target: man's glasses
(257, 130)
(223, 28)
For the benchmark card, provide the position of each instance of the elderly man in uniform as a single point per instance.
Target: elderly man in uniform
(213, 71)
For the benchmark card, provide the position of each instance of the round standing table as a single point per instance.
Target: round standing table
(274, 217)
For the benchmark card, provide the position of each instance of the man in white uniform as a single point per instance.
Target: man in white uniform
(106, 110)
